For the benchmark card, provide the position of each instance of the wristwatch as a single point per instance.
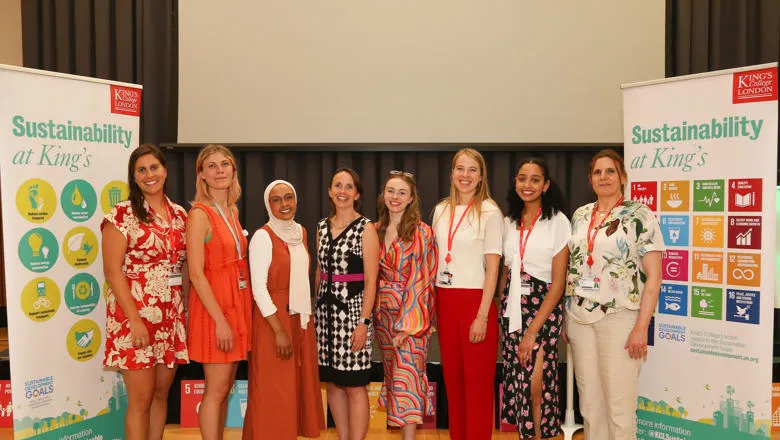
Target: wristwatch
(366, 321)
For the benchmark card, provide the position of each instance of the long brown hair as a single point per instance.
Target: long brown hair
(202, 194)
(136, 196)
(482, 192)
(620, 166)
(411, 216)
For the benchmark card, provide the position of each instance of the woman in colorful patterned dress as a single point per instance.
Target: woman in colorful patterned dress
(220, 307)
(284, 398)
(347, 267)
(143, 261)
(611, 293)
(405, 314)
(536, 254)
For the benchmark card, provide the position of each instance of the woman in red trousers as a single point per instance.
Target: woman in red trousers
(467, 225)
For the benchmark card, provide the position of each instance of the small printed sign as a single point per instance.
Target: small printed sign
(676, 195)
(745, 195)
(675, 230)
(743, 306)
(675, 265)
(744, 232)
(192, 395)
(707, 267)
(6, 407)
(673, 300)
(646, 193)
(744, 269)
(707, 302)
(709, 195)
(708, 231)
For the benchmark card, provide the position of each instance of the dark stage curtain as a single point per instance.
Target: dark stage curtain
(310, 170)
(707, 35)
(133, 41)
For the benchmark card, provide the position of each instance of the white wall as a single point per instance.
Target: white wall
(412, 71)
(11, 32)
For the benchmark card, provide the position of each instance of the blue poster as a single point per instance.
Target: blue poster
(743, 306)
(675, 229)
(673, 299)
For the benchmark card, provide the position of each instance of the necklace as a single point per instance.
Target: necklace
(342, 226)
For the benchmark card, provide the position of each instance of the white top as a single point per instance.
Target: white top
(547, 238)
(260, 254)
(473, 239)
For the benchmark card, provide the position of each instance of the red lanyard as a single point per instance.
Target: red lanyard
(524, 243)
(173, 256)
(451, 233)
(593, 232)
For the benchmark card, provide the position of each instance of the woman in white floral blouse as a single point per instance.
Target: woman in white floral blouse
(143, 261)
(611, 294)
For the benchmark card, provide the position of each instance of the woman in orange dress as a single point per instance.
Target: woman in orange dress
(284, 382)
(220, 310)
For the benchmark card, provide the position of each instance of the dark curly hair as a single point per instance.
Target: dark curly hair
(553, 200)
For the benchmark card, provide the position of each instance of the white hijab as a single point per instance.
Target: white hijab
(292, 233)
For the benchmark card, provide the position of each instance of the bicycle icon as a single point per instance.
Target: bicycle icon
(43, 302)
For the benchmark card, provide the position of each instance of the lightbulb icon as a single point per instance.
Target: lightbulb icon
(35, 241)
(45, 251)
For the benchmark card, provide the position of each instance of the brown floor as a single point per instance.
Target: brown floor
(173, 432)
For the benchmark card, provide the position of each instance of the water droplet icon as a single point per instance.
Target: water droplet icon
(76, 198)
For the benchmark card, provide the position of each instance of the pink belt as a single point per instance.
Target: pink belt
(341, 277)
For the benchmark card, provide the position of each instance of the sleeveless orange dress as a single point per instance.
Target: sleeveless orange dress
(284, 399)
(222, 268)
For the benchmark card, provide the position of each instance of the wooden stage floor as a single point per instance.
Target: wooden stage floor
(174, 432)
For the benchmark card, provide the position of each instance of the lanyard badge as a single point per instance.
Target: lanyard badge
(525, 286)
(243, 280)
(590, 282)
(445, 276)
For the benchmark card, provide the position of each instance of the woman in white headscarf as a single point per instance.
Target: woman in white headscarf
(284, 399)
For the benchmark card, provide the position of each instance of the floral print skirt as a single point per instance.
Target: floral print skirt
(516, 404)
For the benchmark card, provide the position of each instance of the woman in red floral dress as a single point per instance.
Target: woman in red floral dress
(143, 261)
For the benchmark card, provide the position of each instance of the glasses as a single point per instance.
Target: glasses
(401, 173)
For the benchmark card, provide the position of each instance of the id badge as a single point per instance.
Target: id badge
(588, 283)
(525, 289)
(242, 280)
(445, 277)
(174, 279)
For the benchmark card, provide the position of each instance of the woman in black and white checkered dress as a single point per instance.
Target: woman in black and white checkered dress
(347, 270)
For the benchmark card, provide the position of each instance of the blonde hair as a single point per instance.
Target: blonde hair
(481, 193)
(202, 194)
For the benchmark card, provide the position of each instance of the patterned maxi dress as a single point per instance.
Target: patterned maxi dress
(154, 250)
(406, 304)
(516, 408)
(339, 305)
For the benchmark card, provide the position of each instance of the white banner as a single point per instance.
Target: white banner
(702, 154)
(64, 146)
